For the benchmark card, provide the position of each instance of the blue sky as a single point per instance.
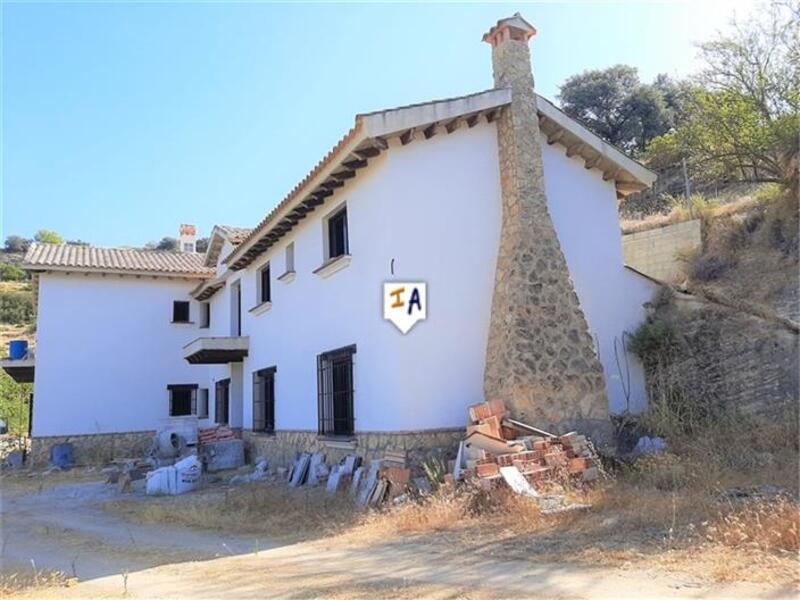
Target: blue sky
(120, 121)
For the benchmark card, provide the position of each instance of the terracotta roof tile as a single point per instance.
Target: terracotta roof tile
(236, 235)
(114, 260)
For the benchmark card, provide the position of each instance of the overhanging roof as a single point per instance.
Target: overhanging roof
(216, 350)
(368, 138)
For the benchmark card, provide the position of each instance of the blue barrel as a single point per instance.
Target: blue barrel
(17, 349)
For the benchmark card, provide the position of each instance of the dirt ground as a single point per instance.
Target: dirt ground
(63, 527)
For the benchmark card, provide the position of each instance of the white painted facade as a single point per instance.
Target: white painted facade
(432, 209)
(106, 350)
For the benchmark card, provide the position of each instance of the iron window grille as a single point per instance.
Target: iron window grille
(337, 234)
(264, 400)
(182, 399)
(180, 311)
(222, 399)
(335, 392)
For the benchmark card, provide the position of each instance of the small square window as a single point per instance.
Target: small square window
(180, 311)
(264, 292)
(182, 400)
(337, 234)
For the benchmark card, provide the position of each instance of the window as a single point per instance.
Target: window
(202, 403)
(264, 400)
(188, 247)
(337, 234)
(182, 400)
(205, 315)
(263, 285)
(180, 311)
(289, 258)
(236, 308)
(335, 391)
(221, 401)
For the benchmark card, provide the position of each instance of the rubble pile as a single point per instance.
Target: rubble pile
(220, 433)
(497, 447)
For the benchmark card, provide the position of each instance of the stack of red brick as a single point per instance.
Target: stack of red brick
(220, 433)
(494, 440)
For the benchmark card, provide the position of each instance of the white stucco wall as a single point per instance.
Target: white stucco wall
(584, 210)
(434, 207)
(106, 351)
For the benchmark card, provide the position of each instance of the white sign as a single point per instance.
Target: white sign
(405, 303)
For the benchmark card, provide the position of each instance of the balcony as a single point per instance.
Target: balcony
(19, 369)
(216, 350)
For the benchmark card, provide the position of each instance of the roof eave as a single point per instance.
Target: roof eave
(39, 269)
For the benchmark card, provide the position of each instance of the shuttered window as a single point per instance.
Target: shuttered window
(180, 311)
(264, 400)
(337, 234)
(222, 401)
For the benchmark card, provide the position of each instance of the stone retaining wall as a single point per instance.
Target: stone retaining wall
(93, 448)
(280, 448)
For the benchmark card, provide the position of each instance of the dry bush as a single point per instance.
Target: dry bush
(766, 525)
(32, 579)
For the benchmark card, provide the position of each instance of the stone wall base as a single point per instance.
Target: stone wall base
(280, 448)
(93, 448)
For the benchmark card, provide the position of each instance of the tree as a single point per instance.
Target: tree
(742, 118)
(16, 243)
(166, 243)
(48, 236)
(201, 245)
(615, 105)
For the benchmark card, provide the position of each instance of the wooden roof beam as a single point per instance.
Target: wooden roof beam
(555, 136)
(343, 175)
(593, 162)
(451, 126)
(407, 136)
(370, 152)
(429, 131)
(472, 120)
(575, 149)
(493, 115)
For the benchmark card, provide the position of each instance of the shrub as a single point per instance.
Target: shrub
(16, 307)
(708, 267)
(653, 340)
(11, 273)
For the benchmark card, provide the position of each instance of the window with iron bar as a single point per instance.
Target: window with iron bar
(335, 392)
(264, 400)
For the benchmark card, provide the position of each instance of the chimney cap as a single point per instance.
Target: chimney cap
(186, 229)
(514, 27)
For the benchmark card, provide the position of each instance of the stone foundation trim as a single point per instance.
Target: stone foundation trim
(93, 448)
(280, 447)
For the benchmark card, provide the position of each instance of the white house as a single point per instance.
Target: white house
(505, 207)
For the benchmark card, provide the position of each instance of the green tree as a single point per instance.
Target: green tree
(615, 105)
(48, 236)
(14, 404)
(741, 118)
(16, 243)
(11, 273)
(201, 245)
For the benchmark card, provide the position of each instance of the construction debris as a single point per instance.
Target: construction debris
(219, 433)
(222, 454)
(497, 447)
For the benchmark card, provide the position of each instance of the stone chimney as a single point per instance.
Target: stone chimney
(540, 358)
(187, 236)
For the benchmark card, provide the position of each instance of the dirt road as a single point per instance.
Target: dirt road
(60, 529)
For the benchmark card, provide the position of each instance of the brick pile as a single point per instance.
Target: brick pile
(494, 440)
(220, 433)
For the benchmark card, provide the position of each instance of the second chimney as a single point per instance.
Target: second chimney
(187, 237)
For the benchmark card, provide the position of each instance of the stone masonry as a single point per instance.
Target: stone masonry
(93, 449)
(540, 357)
(279, 448)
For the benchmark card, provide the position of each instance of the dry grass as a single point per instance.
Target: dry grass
(33, 579)
(270, 509)
(21, 482)
(696, 208)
